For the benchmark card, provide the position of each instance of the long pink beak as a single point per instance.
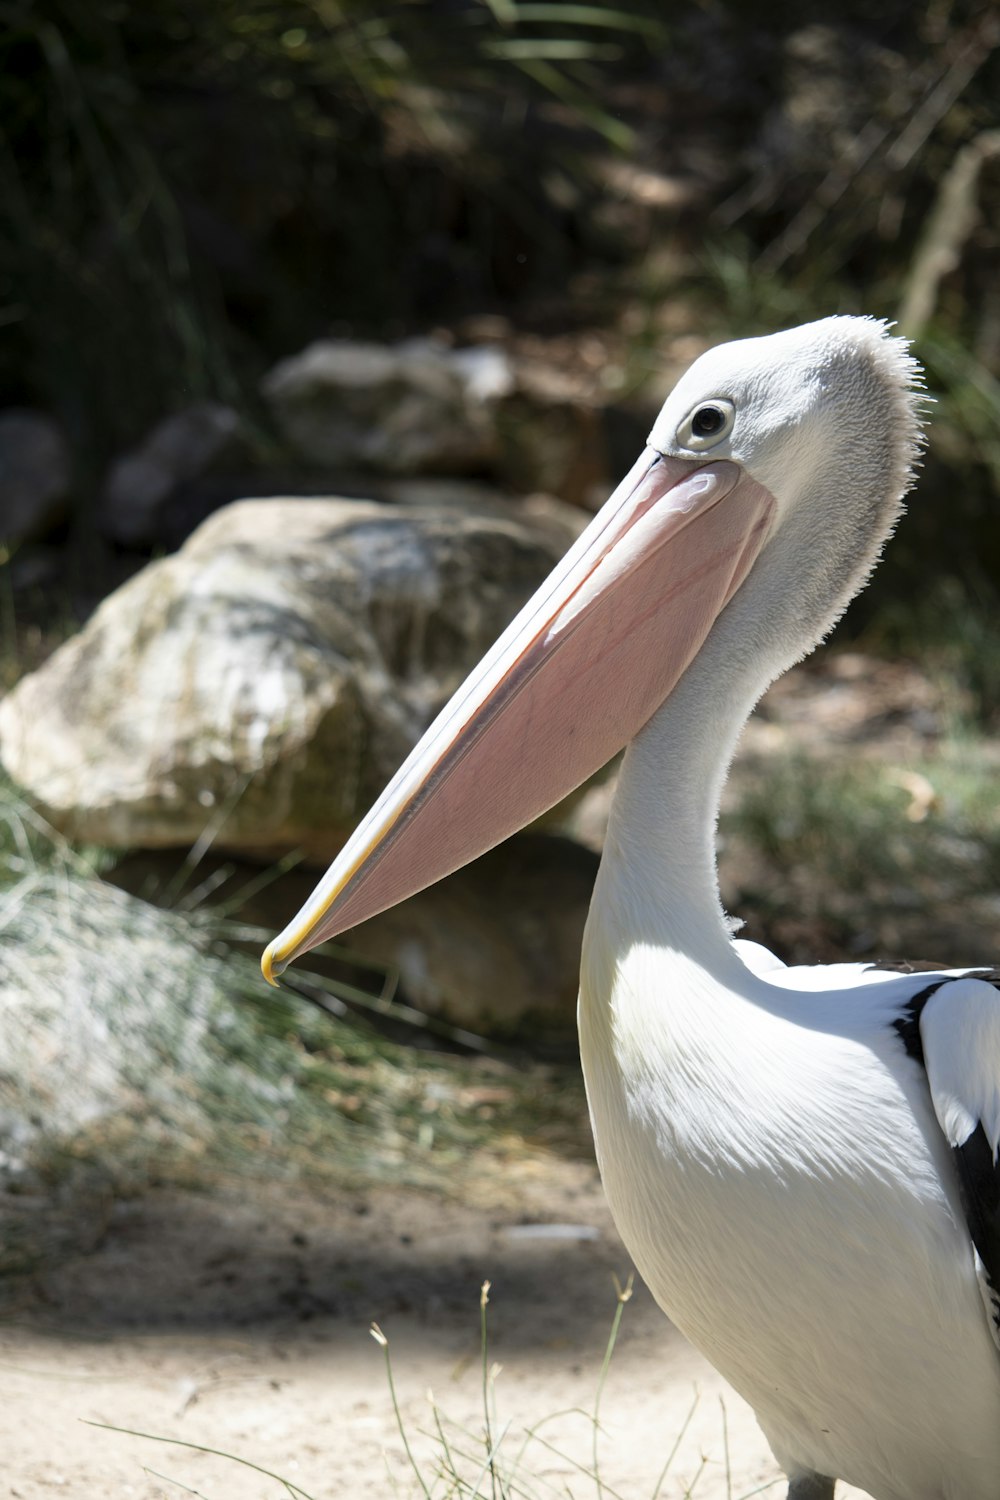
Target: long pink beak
(577, 674)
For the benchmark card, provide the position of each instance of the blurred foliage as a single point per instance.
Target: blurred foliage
(187, 184)
(953, 627)
(191, 190)
(829, 859)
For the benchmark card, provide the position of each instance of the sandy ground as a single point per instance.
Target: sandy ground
(239, 1320)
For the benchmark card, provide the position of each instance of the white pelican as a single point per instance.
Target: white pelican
(802, 1162)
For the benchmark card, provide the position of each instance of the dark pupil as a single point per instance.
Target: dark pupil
(707, 421)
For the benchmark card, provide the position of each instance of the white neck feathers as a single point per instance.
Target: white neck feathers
(658, 889)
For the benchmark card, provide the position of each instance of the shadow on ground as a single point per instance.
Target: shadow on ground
(259, 1257)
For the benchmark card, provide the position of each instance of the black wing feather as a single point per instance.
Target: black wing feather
(977, 1169)
(979, 1180)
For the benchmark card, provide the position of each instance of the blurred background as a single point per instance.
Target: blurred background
(411, 281)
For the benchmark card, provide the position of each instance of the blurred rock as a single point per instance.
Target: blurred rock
(554, 519)
(420, 408)
(144, 484)
(553, 445)
(495, 948)
(411, 408)
(34, 474)
(646, 187)
(264, 683)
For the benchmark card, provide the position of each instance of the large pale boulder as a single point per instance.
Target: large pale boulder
(261, 685)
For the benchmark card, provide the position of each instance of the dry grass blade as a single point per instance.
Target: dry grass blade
(245, 1463)
(484, 1297)
(676, 1446)
(177, 1483)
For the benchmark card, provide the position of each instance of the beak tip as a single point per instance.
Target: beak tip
(271, 966)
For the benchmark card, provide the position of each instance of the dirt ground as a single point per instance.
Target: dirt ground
(239, 1320)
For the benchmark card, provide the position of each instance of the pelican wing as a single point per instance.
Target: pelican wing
(960, 1036)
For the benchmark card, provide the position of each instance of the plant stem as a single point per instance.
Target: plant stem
(623, 1294)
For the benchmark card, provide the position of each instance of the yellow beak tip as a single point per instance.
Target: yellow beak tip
(271, 966)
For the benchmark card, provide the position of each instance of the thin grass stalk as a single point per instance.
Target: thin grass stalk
(206, 839)
(442, 1437)
(529, 1436)
(16, 898)
(473, 1456)
(677, 1443)
(725, 1449)
(484, 1297)
(511, 1485)
(383, 1343)
(580, 1468)
(155, 1474)
(624, 1295)
(494, 1471)
(697, 1479)
(549, 77)
(154, 1437)
(505, 12)
(591, 15)
(397, 1010)
(25, 814)
(257, 883)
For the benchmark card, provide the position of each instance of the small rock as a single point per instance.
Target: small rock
(183, 448)
(34, 474)
(420, 408)
(410, 408)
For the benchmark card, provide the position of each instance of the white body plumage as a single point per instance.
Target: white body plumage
(776, 1169)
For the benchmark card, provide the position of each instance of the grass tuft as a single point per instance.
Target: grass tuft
(456, 1469)
(175, 1064)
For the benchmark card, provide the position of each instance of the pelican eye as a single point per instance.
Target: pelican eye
(708, 421)
(708, 424)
